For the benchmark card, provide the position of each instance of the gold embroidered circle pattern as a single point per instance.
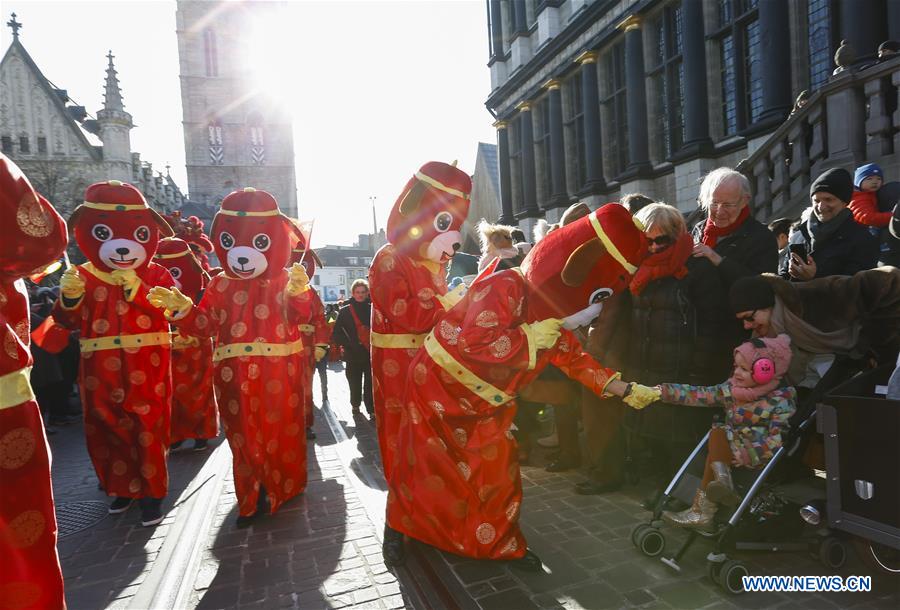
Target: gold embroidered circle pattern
(11, 344)
(501, 347)
(16, 448)
(485, 533)
(464, 470)
(487, 319)
(449, 332)
(26, 528)
(32, 218)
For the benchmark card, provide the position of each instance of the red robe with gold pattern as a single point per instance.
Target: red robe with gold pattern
(30, 576)
(193, 400)
(455, 482)
(125, 381)
(316, 332)
(258, 381)
(405, 306)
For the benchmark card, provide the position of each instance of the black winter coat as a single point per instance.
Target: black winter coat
(849, 250)
(345, 335)
(681, 331)
(752, 249)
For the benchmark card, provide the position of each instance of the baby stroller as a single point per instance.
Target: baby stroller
(777, 502)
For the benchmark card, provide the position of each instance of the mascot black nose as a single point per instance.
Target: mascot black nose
(456, 247)
(243, 260)
(122, 251)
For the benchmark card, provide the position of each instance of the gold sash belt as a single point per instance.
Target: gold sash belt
(271, 350)
(408, 341)
(461, 374)
(15, 388)
(125, 341)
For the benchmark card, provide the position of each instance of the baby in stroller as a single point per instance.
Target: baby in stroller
(757, 405)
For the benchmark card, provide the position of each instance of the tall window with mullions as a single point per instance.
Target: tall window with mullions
(617, 108)
(542, 150)
(668, 77)
(818, 14)
(740, 64)
(574, 126)
(515, 163)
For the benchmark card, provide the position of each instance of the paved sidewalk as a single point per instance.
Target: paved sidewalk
(322, 550)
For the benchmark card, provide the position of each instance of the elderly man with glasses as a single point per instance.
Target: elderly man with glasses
(735, 242)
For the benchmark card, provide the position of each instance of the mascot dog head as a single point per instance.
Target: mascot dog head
(175, 255)
(576, 267)
(426, 218)
(252, 238)
(31, 228)
(115, 228)
(190, 230)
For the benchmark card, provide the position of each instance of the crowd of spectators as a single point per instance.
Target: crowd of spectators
(700, 293)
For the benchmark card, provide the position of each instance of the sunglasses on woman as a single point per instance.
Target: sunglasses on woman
(662, 240)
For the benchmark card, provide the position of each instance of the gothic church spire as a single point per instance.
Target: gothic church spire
(112, 99)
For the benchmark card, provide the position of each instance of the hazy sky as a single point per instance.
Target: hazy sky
(376, 89)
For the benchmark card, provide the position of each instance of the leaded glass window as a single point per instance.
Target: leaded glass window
(818, 13)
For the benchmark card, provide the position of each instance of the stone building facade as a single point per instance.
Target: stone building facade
(60, 147)
(599, 98)
(234, 134)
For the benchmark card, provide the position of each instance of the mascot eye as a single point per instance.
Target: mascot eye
(176, 272)
(600, 295)
(443, 221)
(142, 234)
(226, 240)
(261, 242)
(101, 232)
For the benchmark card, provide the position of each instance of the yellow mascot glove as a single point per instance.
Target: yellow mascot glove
(320, 351)
(546, 332)
(640, 396)
(71, 284)
(298, 280)
(449, 300)
(175, 304)
(128, 280)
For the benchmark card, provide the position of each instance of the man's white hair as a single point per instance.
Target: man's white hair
(718, 177)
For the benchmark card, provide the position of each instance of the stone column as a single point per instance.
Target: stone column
(526, 150)
(590, 103)
(496, 12)
(506, 207)
(775, 49)
(696, 105)
(559, 196)
(638, 153)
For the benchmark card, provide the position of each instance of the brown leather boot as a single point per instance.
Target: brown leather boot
(699, 516)
(721, 489)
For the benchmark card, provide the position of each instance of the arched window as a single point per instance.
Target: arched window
(257, 139)
(216, 149)
(210, 53)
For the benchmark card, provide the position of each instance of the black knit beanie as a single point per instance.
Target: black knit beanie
(836, 181)
(751, 293)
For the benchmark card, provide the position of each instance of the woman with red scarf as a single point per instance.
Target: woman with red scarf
(679, 330)
(730, 238)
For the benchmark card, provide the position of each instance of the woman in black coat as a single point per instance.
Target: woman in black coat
(679, 331)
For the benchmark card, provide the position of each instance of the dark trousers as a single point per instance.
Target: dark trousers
(322, 368)
(359, 377)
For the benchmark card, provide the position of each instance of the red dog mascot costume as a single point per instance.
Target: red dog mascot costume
(34, 235)
(193, 400)
(316, 334)
(408, 284)
(254, 309)
(125, 344)
(455, 482)
(190, 229)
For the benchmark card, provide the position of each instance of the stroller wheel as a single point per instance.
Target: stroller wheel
(731, 576)
(832, 552)
(650, 541)
(636, 531)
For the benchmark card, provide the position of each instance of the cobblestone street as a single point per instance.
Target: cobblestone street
(323, 548)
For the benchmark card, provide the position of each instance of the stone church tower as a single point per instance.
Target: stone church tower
(233, 137)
